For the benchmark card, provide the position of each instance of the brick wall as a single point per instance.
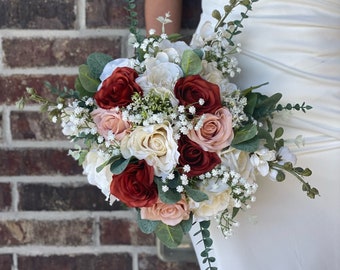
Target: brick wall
(50, 217)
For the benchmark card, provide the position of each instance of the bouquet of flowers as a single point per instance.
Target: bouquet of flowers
(167, 133)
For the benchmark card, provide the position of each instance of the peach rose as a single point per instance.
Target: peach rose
(216, 132)
(170, 214)
(110, 120)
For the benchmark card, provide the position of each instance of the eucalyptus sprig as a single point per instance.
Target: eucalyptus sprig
(236, 24)
(207, 242)
(133, 18)
(299, 173)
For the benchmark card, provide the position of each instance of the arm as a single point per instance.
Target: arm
(156, 8)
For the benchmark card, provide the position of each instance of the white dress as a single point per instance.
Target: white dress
(295, 46)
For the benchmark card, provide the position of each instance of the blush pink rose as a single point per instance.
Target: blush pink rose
(216, 132)
(110, 120)
(170, 214)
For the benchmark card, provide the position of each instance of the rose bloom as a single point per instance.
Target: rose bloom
(239, 161)
(211, 73)
(216, 132)
(192, 154)
(155, 144)
(135, 186)
(110, 120)
(170, 214)
(189, 90)
(216, 203)
(100, 179)
(117, 90)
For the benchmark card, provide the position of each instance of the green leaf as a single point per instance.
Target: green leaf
(264, 134)
(109, 161)
(266, 105)
(145, 225)
(89, 83)
(81, 90)
(186, 224)
(245, 133)
(96, 62)
(248, 146)
(119, 165)
(191, 63)
(171, 196)
(251, 103)
(279, 132)
(205, 224)
(196, 195)
(171, 236)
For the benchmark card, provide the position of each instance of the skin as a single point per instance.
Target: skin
(156, 8)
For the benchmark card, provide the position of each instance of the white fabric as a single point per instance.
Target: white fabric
(295, 46)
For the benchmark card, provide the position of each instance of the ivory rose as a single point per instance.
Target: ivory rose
(216, 132)
(155, 144)
(216, 203)
(170, 214)
(110, 121)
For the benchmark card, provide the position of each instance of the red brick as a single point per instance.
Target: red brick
(37, 162)
(13, 87)
(6, 262)
(52, 14)
(111, 14)
(5, 197)
(40, 52)
(37, 197)
(41, 232)
(148, 262)
(34, 126)
(1, 130)
(115, 261)
(123, 232)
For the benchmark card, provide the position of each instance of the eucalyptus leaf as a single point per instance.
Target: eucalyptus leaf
(96, 62)
(196, 195)
(119, 165)
(186, 224)
(245, 133)
(145, 225)
(81, 90)
(191, 63)
(171, 196)
(248, 146)
(106, 163)
(171, 236)
(89, 83)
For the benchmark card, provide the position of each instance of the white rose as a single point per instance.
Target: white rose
(239, 161)
(101, 179)
(154, 144)
(216, 203)
(112, 65)
(179, 46)
(211, 73)
(205, 33)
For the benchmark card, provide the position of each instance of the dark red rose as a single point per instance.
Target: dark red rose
(135, 186)
(200, 161)
(117, 89)
(189, 90)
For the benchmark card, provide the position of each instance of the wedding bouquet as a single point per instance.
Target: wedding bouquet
(167, 133)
